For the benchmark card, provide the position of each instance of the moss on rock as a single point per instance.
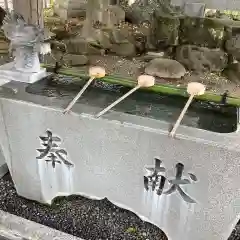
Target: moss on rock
(232, 43)
(204, 32)
(166, 29)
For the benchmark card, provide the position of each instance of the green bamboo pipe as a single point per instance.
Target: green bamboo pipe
(159, 88)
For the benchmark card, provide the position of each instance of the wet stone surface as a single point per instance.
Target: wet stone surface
(79, 216)
(142, 103)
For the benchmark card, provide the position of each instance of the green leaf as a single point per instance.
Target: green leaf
(131, 230)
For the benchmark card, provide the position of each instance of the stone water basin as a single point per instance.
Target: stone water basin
(49, 154)
(202, 115)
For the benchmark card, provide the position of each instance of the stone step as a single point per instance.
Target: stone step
(16, 228)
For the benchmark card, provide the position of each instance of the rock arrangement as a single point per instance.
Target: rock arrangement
(70, 8)
(4, 43)
(208, 44)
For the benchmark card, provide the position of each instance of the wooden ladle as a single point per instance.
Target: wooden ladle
(94, 72)
(144, 81)
(194, 89)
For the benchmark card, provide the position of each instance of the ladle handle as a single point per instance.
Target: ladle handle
(70, 105)
(117, 101)
(181, 115)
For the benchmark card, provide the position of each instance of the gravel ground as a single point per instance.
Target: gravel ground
(82, 217)
(235, 233)
(79, 216)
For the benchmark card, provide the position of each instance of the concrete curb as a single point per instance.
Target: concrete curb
(16, 228)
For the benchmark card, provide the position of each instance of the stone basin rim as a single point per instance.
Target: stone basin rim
(158, 88)
(127, 120)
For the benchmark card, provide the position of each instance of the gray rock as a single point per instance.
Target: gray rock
(201, 59)
(166, 29)
(203, 32)
(146, 29)
(152, 55)
(4, 45)
(70, 8)
(127, 49)
(78, 45)
(232, 72)
(120, 35)
(58, 46)
(118, 13)
(101, 13)
(194, 9)
(75, 60)
(142, 10)
(103, 38)
(211, 13)
(232, 44)
(49, 59)
(156, 54)
(61, 33)
(165, 68)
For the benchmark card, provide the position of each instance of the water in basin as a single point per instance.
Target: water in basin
(144, 103)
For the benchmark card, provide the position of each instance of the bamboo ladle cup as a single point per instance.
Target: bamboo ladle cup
(144, 81)
(194, 89)
(94, 72)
